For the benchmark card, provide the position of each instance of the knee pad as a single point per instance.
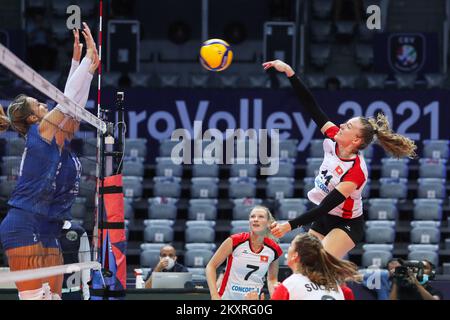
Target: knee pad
(37, 294)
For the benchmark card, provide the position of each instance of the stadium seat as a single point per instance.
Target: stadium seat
(166, 168)
(167, 187)
(320, 31)
(364, 55)
(11, 165)
(435, 80)
(283, 81)
(394, 168)
(242, 187)
(320, 54)
(380, 231)
(205, 170)
(436, 149)
(134, 167)
(132, 187)
(427, 209)
(167, 80)
(158, 231)
(239, 226)
(202, 209)
(405, 81)
(199, 80)
(89, 147)
(433, 168)
(383, 209)
(393, 188)
(243, 170)
(431, 188)
(88, 187)
(286, 168)
(322, 8)
(198, 275)
(291, 208)
(200, 231)
(421, 252)
(368, 152)
(316, 80)
(313, 166)
(139, 79)
(288, 148)
(197, 258)
(280, 188)
(308, 185)
(425, 232)
(162, 208)
(229, 81)
(110, 79)
(258, 81)
(283, 258)
(136, 147)
(345, 28)
(347, 81)
(204, 187)
(288, 237)
(149, 258)
(166, 146)
(128, 208)
(316, 148)
(364, 34)
(243, 206)
(366, 190)
(376, 81)
(376, 255)
(14, 147)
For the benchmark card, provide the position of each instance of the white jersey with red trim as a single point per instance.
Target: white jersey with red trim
(299, 287)
(246, 269)
(334, 170)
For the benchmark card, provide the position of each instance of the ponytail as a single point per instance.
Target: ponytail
(393, 143)
(4, 120)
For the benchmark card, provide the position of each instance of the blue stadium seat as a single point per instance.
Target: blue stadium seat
(308, 185)
(433, 168)
(368, 152)
(243, 170)
(200, 231)
(425, 232)
(316, 148)
(197, 258)
(383, 209)
(162, 208)
(376, 255)
(167, 187)
(204, 188)
(427, 209)
(393, 188)
(128, 208)
(243, 206)
(132, 187)
(431, 188)
(320, 54)
(366, 190)
(322, 8)
(166, 146)
(158, 231)
(78, 209)
(288, 237)
(364, 55)
(380, 231)
(242, 187)
(165, 167)
(202, 209)
(286, 168)
(421, 252)
(133, 167)
(150, 254)
(89, 147)
(436, 149)
(288, 148)
(11, 165)
(280, 188)
(313, 166)
(14, 146)
(205, 170)
(320, 30)
(291, 208)
(394, 168)
(283, 258)
(239, 226)
(88, 166)
(136, 147)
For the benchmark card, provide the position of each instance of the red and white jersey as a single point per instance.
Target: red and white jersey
(334, 170)
(299, 287)
(246, 269)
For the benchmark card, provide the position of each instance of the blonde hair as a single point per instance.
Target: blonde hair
(393, 143)
(319, 266)
(4, 120)
(270, 218)
(18, 112)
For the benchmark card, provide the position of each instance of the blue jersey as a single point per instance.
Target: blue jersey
(35, 187)
(67, 180)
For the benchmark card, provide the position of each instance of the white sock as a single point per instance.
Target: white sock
(36, 294)
(56, 296)
(47, 291)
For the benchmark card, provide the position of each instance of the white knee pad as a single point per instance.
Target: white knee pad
(56, 296)
(37, 294)
(47, 291)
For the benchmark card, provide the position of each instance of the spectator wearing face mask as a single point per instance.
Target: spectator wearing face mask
(167, 263)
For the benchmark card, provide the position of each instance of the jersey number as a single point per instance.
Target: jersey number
(327, 178)
(254, 269)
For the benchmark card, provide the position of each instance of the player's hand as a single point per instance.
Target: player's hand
(95, 62)
(90, 43)
(279, 230)
(216, 297)
(280, 66)
(77, 46)
(253, 295)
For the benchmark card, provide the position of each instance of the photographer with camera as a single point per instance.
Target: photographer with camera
(410, 281)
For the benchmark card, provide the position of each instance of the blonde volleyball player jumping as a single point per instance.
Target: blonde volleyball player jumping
(337, 220)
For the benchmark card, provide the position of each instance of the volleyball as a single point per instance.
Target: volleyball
(216, 55)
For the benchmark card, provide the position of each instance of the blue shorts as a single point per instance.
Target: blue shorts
(19, 229)
(49, 232)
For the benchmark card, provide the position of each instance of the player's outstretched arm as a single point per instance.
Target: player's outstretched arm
(305, 96)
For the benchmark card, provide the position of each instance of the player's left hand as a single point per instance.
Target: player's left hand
(279, 230)
(77, 46)
(253, 295)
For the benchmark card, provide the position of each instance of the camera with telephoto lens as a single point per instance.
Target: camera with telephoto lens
(402, 273)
